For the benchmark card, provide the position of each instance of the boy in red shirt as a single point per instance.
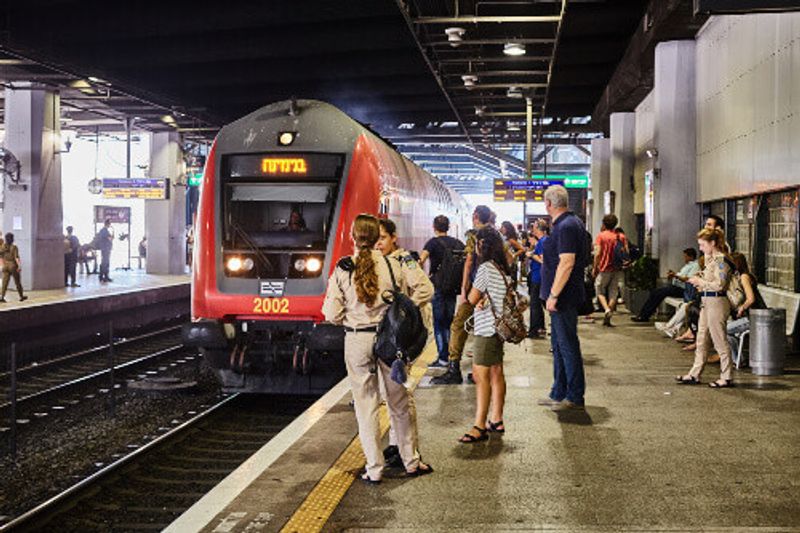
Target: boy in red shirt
(608, 276)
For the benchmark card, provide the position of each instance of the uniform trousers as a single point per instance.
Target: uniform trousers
(365, 375)
(711, 326)
(8, 273)
(458, 335)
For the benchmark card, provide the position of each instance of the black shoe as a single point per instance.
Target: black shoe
(607, 319)
(469, 379)
(639, 319)
(74, 285)
(2, 300)
(391, 456)
(23, 298)
(451, 377)
(438, 363)
(109, 280)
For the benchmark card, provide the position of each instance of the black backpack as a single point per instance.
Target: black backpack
(401, 335)
(448, 277)
(620, 255)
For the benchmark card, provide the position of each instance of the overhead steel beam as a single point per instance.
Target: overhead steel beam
(490, 42)
(515, 60)
(552, 62)
(494, 73)
(467, 19)
(733, 7)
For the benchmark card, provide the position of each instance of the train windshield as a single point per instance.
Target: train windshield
(285, 215)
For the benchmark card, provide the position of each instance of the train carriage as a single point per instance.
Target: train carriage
(280, 190)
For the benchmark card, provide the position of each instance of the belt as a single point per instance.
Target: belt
(372, 329)
(712, 294)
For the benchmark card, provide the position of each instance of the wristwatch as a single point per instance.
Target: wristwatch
(552, 296)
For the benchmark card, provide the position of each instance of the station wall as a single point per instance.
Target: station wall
(748, 105)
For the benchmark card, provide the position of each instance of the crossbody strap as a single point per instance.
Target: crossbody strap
(391, 274)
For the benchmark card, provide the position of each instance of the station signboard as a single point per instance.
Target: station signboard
(116, 214)
(136, 188)
(532, 190)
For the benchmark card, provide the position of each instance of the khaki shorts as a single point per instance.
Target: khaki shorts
(487, 351)
(607, 283)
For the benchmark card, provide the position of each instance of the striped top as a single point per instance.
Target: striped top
(488, 279)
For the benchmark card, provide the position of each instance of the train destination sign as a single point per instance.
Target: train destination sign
(283, 165)
(136, 188)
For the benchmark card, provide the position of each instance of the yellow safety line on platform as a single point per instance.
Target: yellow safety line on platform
(317, 508)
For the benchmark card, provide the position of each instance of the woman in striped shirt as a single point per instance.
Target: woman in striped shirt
(487, 295)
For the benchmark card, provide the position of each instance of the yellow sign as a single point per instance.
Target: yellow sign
(278, 306)
(274, 165)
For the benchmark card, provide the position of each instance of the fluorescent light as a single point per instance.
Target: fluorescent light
(455, 36)
(514, 92)
(469, 80)
(514, 49)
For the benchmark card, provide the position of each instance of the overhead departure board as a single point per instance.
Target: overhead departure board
(533, 190)
(136, 188)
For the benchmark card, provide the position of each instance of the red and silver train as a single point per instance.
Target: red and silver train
(280, 190)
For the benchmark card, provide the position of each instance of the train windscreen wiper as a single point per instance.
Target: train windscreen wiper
(250, 244)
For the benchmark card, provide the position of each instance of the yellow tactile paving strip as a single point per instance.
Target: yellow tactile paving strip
(323, 499)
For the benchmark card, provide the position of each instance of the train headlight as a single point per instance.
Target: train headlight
(248, 264)
(300, 265)
(234, 264)
(313, 264)
(286, 138)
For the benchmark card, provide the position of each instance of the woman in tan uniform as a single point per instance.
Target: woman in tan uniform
(353, 299)
(11, 267)
(712, 283)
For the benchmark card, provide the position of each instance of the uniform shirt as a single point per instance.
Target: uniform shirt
(606, 242)
(569, 236)
(341, 304)
(715, 274)
(687, 271)
(105, 239)
(470, 249)
(536, 266)
(9, 253)
(489, 281)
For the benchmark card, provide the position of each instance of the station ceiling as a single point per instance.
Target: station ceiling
(195, 66)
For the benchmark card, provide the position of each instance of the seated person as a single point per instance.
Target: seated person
(676, 288)
(296, 222)
(740, 316)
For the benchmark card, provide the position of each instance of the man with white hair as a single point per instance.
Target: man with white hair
(564, 260)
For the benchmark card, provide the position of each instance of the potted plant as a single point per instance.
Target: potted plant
(640, 279)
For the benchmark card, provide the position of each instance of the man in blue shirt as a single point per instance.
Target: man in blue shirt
(564, 260)
(539, 231)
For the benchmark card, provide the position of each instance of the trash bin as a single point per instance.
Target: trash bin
(767, 341)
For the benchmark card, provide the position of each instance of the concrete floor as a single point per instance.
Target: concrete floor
(647, 454)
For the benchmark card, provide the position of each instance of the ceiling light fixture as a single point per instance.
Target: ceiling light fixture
(480, 110)
(514, 49)
(514, 92)
(469, 80)
(512, 126)
(455, 36)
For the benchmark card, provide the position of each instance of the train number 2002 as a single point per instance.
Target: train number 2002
(271, 305)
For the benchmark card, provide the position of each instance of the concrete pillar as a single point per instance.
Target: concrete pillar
(622, 161)
(32, 208)
(676, 209)
(601, 173)
(165, 220)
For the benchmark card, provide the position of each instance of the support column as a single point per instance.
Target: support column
(32, 208)
(165, 220)
(601, 169)
(622, 160)
(676, 209)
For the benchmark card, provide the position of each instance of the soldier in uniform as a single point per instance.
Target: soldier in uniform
(353, 299)
(11, 267)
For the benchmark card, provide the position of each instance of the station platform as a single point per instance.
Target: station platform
(647, 454)
(63, 315)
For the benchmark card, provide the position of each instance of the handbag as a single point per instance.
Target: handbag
(510, 325)
(735, 291)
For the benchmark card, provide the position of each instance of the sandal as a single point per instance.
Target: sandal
(421, 470)
(722, 384)
(687, 380)
(495, 427)
(363, 476)
(469, 438)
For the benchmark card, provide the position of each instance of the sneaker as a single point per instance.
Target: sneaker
(438, 363)
(74, 285)
(566, 405)
(23, 298)
(607, 319)
(547, 402)
(448, 378)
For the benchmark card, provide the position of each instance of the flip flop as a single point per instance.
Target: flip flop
(682, 380)
(421, 470)
(496, 427)
(726, 384)
(364, 477)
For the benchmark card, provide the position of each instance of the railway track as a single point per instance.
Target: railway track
(148, 488)
(66, 380)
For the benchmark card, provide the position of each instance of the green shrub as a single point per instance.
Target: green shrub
(643, 275)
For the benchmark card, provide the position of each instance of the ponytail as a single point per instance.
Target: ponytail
(365, 234)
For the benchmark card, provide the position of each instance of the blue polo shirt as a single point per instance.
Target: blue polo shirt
(568, 237)
(536, 266)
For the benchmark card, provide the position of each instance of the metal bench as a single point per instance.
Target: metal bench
(775, 299)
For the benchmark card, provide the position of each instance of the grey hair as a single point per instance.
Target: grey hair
(557, 196)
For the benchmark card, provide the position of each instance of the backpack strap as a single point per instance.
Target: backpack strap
(491, 303)
(391, 274)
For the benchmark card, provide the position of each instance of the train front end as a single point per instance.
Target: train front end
(267, 239)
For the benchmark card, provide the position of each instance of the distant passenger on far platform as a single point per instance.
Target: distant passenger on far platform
(711, 282)
(105, 241)
(71, 248)
(387, 245)
(353, 299)
(142, 251)
(676, 288)
(565, 256)
(481, 217)
(488, 294)
(12, 266)
(606, 271)
(446, 255)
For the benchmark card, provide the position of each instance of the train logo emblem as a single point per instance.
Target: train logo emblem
(272, 288)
